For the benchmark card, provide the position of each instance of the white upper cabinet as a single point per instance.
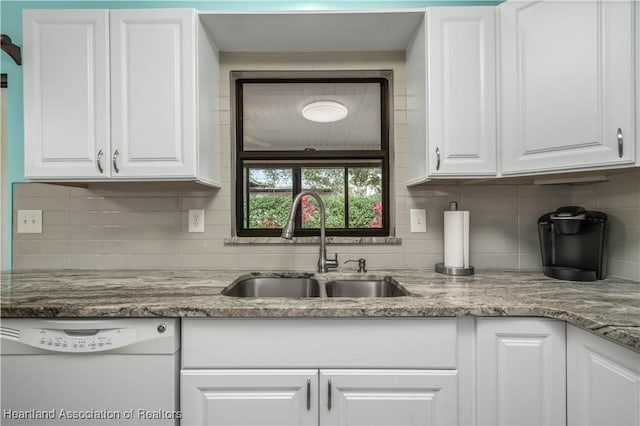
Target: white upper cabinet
(451, 95)
(121, 94)
(567, 94)
(153, 122)
(66, 93)
(637, 28)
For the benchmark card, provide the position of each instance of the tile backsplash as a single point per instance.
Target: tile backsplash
(144, 225)
(132, 225)
(619, 198)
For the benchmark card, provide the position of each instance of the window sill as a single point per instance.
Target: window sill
(315, 240)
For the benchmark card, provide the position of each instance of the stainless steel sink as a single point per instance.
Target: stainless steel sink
(273, 287)
(386, 287)
(306, 286)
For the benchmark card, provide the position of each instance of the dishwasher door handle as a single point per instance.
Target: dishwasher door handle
(82, 332)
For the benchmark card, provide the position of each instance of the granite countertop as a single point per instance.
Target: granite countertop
(610, 308)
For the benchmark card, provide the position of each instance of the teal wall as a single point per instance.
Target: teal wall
(11, 24)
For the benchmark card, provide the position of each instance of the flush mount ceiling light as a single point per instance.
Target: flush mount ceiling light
(324, 111)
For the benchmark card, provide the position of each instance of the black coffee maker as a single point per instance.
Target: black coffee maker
(572, 241)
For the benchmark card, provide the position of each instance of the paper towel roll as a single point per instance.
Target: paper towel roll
(456, 239)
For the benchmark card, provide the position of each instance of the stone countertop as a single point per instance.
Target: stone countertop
(610, 308)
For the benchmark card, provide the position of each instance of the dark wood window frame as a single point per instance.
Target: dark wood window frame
(296, 160)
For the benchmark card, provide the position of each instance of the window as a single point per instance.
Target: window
(279, 153)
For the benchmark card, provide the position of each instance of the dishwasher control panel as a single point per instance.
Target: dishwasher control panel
(78, 340)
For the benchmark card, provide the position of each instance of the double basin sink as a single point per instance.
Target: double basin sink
(304, 286)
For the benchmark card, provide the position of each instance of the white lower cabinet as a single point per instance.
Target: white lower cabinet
(520, 371)
(404, 371)
(603, 380)
(325, 397)
(323, 371)
(249, 397)
(388, 397)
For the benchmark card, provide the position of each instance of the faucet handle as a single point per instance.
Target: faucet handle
(333, 263)
(362, 264)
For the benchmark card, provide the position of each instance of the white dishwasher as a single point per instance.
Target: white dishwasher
(89, 372)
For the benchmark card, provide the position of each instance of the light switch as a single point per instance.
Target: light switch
(29, 221)
(418, 220)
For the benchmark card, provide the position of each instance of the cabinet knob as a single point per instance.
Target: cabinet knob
(115, 161)
(99, 161)
(308, 394)
(437, 158)
(620, 143)
(329, 395)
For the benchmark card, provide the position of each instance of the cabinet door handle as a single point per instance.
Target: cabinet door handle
(99, 161)
(329, 395)
(620, 143)
(308, 394)
(437, 158)
(115, 161)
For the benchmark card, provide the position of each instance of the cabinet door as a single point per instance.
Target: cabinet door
(603, 381)
(637, 28)
(66, 93)
(567, 85)
(249, 397)
(388, 397)
(153, 93)
(520, 371)
(451, 95)
(461, 93)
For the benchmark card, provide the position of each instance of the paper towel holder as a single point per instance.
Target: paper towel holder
(453, 270)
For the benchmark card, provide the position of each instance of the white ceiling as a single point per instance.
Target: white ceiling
(312, 32)
(273, 120)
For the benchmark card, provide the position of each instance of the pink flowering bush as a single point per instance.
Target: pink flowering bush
(376, 222)
(308, 209)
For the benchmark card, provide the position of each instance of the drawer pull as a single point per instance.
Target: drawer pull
(99, 161)
(620, 143)
(115, 161)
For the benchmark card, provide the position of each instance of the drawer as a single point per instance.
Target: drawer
(319, 342)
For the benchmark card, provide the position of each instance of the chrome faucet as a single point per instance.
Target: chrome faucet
(287, 232)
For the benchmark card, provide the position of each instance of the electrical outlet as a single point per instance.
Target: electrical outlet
(418, 220)
(29, 221)
(196, 220)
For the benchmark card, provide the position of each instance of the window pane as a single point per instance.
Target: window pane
(273, 121)
(270, 197)
(329, 183)
(281, 150)
(365, 197)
